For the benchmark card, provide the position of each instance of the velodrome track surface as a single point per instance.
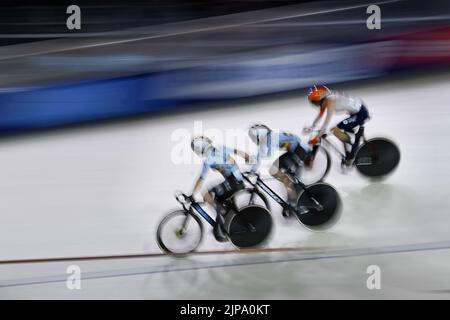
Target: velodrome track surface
(101, 190)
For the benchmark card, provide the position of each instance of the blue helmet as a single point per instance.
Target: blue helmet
(258, 131)
(200, 144)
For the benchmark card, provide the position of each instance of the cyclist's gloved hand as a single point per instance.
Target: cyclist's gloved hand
(314, 140)
(252, 160)
(307, 130)
(254, 168)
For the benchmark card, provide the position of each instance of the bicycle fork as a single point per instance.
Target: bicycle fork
(180, 232)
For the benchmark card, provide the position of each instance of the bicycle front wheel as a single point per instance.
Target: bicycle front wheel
(180, 232)
(318, 169)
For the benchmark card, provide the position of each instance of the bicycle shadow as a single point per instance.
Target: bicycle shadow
(374, 215)
(180, 278)
(380, 213)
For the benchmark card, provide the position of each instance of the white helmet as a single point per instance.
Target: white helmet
(200, 144)
(258, 131)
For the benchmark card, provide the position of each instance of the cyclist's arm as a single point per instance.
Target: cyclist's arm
(256, 160)
(197, 185)
(200, 179)
(319, 116)
(242, 154)
(330, 112)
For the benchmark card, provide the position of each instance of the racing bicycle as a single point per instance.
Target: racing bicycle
(181, 231)
(318, 205)
(375, 158)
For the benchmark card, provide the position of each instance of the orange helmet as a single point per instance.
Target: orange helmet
(317, 93)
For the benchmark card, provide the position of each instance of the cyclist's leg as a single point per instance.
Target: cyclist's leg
(222, 192)
(303, 154)
(208, 196)
(342, 130)
(231, 185)
(361, 117)
(278, 170)
(283, 164)
(213, 197)
(347, 126)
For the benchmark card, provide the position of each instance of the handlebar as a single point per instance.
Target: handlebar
(182, 197)
(250, 173)
(314, 132)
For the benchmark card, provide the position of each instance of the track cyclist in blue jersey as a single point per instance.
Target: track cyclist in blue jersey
(218, 158)
(297, 153)
(333, 102)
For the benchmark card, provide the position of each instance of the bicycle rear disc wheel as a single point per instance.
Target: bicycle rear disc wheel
(250, 227)
(377, 157)
(318, 170)
(319, 206)
(173, 239)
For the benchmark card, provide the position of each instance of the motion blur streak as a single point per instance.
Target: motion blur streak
(102, 188)
(98, 190)
(184, 63)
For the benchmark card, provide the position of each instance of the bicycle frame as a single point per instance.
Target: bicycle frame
(330, 144)
(203, 213)
(261, 184)
(196, 206)
(193, 205)
(358, 135)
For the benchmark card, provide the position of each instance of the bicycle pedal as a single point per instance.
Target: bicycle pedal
(220, 237)
(219, 233)
(286, 213)
(350, 161)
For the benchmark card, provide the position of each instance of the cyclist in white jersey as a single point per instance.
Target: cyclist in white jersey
(333, 102)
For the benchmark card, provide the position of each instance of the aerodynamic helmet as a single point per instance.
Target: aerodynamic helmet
(257, 132)
(200, 144)
(317, 93)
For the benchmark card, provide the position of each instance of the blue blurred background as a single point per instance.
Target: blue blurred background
(144, 57)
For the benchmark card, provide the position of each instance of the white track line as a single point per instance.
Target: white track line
(267, 25)
(341, 253)
(199, 30)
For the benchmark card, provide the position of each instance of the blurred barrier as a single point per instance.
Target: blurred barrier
(253, 73)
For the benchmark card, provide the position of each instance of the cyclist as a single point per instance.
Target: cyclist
(219, 159)
(296, 153)
(333, 102)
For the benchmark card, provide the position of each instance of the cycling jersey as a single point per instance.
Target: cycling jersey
(282, 141)
(344, 103)
(220, 159)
